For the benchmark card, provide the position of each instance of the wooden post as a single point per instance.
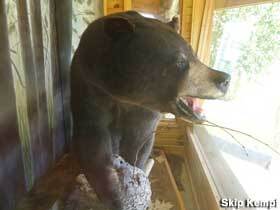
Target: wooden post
(202, 28)
(197, 16)
(203, 50)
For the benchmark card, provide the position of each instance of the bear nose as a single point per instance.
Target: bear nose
(223, 81)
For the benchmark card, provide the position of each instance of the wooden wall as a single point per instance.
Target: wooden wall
(34, 63)
(113, 6)
(186, 19)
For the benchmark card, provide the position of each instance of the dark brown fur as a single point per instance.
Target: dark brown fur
(126, 70)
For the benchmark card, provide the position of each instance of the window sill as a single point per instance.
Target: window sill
(202, 183)
(220, 168)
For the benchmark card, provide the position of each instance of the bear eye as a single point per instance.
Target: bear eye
(182, 64)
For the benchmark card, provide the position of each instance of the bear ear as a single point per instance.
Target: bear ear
(115, 26)
(175, 24)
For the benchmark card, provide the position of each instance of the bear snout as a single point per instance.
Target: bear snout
(222, 81)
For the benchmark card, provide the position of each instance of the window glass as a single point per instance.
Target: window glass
(246, 44)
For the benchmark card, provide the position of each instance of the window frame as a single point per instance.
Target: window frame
(197, 159)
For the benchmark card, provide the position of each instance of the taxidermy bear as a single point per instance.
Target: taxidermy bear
(126, 71)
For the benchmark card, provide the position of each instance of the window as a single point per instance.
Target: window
(246, 44)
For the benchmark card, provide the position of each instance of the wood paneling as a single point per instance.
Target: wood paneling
(105, 7)
(127, 5)
(114, 6)
(170, 137)
(169, 133)
(186, 19)
(114, 10)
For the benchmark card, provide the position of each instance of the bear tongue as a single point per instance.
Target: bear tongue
(194, 104)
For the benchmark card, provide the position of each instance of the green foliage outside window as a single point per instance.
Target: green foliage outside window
(263, 46)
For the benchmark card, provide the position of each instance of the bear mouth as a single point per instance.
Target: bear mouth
(190, 109)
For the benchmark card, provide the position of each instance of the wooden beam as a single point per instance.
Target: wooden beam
(203, 50)
(174, 185)
(197, 16)
(171, 149)
(169, 133)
